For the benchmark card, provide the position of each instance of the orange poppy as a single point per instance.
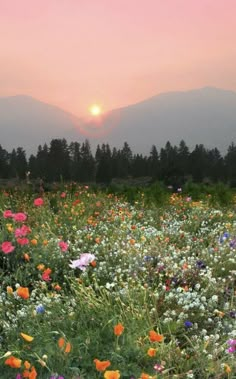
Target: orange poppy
(118, 329)
(155, 337)
(27, 365)
(23, 292)
(61, 342)
(101, 365)
(26, 257)
(13, 362)
(144, 376)
(112, 374)
(151, 352)
(67, 348)
(31, 374)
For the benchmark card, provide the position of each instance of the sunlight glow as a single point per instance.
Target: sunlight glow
(95, 110)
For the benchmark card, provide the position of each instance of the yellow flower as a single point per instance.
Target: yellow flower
(227, 368)
(9, 290)
(41, 267)
(26, 337)
(10, 228)
(112, 374)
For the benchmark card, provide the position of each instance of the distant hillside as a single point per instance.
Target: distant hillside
(27, 122)
(206, 115)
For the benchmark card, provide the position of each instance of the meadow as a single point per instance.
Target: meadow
(96, 286)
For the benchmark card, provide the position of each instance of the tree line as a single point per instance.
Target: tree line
(76, 162)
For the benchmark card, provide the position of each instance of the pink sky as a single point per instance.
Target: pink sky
(73, 53)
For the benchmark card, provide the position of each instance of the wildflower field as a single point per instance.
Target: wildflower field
(93, 286)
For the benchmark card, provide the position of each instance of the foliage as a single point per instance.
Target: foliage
(173, 165)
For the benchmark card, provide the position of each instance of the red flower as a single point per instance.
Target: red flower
(7, 247)
(38, 202)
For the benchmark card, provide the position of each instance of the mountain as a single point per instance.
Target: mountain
(27, 122)
(206, 115)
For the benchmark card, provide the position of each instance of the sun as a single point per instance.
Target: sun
(95, 110)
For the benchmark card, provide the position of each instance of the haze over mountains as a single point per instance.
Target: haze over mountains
(206, 115)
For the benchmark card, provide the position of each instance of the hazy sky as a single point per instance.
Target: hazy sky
(72, 53)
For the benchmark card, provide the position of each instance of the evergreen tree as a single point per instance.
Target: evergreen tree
(198, 160)
(183, 161)
(215, 167)
(154, 163)
(4, 163)
(168, 164)
(18, 163)
(139, 166)
(86, 163)
(75, 157)
(59, 160)
(103, 164)
(230, 163)
(42, 162)
(125, 161)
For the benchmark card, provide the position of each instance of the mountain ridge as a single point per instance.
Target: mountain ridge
(205, 115)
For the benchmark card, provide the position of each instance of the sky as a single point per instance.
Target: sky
(73, 53)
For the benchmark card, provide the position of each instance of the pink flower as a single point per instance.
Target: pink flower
(63, 195)
(38, 202)
(8, 213)
(46, 275)
(63, 245)
(7, 247)
(23, 231)
(84, 260)
(20, 217)
(22, 241)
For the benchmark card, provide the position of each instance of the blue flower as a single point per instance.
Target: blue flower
(188, 324)
(40, 309)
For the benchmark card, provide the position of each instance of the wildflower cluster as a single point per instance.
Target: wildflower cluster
(92, 285)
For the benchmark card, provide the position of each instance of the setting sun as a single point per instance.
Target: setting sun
(95, 110)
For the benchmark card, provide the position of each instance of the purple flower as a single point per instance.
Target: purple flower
(84, 260)
(232, 346)
(233, 243)
(200, 264)
(188, 324)
(232, 314)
